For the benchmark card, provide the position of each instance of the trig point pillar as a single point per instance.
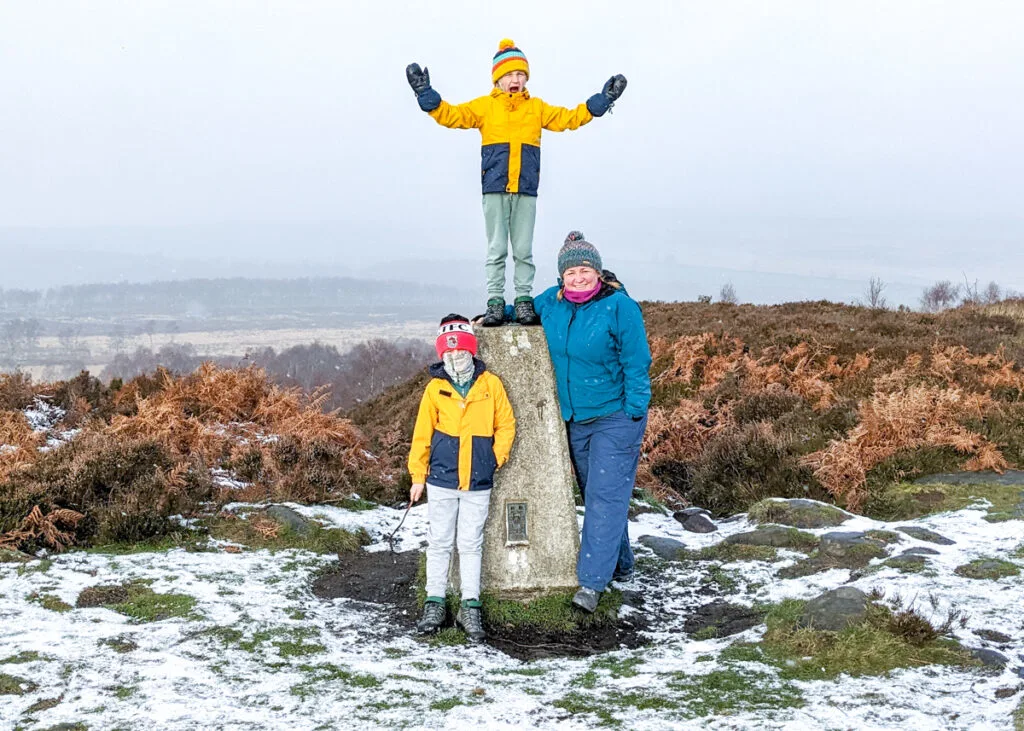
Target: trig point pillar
(532, 537)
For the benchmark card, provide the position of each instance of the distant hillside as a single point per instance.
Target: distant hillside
(207, 304)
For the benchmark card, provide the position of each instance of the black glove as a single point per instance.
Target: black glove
(419, 80)
(603, 100)
(614, 87)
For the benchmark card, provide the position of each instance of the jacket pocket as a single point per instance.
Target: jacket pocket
(529, 171)
(494, 167)
(483, 464)
(444, 460)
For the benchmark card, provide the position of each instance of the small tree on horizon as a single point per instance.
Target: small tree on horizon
(727, 294)
(939, 296)
(874, 298)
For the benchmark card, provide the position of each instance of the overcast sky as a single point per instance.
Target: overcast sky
(830, 139)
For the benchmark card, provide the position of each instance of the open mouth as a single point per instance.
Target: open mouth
(514, 88)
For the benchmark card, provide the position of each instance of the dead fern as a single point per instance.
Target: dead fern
(45, 529)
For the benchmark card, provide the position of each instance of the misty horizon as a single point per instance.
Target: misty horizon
(782, 148)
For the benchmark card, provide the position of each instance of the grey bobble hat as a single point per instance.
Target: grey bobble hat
(578, 252)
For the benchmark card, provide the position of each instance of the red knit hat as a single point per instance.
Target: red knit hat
(455, 333)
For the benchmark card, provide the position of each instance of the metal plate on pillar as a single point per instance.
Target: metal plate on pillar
(516, 524)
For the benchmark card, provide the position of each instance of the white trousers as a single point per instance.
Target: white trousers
(448, 511)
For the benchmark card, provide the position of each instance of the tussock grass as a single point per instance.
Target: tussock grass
(137, 601)
(13, 685)
(988, 568)
(885, 641)
(258, 531)
(50, 602)
(730, 552)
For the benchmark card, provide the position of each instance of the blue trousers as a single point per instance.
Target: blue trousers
(605, 454)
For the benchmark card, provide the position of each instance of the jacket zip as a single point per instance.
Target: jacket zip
(568, 362)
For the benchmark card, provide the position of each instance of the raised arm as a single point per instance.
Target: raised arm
(454, 116)
(559, 119)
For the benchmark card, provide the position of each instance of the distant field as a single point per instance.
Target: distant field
(222, 343)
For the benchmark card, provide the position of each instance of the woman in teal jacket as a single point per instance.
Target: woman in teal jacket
(599, 350)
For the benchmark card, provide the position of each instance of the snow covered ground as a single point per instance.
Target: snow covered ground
(261, 652)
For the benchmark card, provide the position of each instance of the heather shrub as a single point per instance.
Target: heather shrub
(744, 466)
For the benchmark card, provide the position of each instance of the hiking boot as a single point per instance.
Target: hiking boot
(471, 621)
(623, 576)
(495, 314)
(525, 314)
(586, 599)
(432, 619)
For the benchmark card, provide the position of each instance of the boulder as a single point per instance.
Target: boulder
(923, 534)
(920, 551)
(992, 636)
(777, 536)
(798, 512)
(682, 515)
(289, 519)
(666, 548)
(698, 523)
(989, 658)
(835, 610)
(850, 549)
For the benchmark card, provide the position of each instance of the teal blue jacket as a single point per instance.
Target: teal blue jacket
(599, 351)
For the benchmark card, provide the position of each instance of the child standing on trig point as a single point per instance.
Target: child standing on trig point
(510, 122)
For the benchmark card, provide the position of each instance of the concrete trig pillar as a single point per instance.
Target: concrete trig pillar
(531, 538)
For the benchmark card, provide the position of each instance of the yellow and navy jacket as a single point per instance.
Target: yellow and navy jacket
(460, 442)
(510, 125)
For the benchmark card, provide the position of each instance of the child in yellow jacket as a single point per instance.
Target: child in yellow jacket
(510, 122)
(464, 432)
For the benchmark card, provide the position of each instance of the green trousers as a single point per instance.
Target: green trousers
(509, 217)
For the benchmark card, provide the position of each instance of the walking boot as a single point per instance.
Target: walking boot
(495, 314)
(432, 619)
(525, 314)
(470, 620)
(586, 599)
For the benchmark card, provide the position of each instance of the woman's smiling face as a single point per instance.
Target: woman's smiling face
(580, 279)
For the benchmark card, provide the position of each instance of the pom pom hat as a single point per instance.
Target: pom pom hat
(507, 59)
(578, 252)
(455, 333)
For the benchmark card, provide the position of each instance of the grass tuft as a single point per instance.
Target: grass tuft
(987, 568)
(884, 641)
(137, 601)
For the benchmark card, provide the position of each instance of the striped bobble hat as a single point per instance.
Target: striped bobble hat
(578, 252)
(455, 333)
(508, 58)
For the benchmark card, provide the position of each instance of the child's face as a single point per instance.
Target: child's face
(512, 82)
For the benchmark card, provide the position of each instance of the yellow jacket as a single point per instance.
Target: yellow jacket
(510, 125)
(459, 443)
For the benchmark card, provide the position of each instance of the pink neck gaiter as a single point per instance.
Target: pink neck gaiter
(578, 298)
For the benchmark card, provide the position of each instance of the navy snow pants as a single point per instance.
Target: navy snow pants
(605, 454)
